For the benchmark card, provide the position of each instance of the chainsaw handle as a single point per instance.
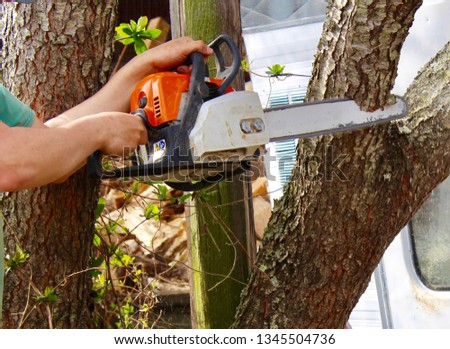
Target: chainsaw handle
(94, 161)
(223, 72)
(94, 165)
(197, 81)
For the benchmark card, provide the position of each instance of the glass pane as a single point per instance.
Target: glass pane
(431, 238)
(286, 151)
(269, 14)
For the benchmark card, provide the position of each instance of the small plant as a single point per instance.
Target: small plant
(134, 33)
(49, 296)
(275, 70)
(151, 211)
(16, 261)
(126, 312)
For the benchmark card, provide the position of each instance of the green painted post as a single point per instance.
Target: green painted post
(221, 234)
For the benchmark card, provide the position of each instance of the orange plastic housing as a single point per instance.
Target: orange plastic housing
(163, 93)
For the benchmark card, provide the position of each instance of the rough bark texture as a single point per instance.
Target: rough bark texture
(57, 54)
(222, 241)
(351, 194)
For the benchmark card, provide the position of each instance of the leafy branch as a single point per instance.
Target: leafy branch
(274, 71)
(134, 33)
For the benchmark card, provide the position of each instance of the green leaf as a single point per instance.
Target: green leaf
(126, 41)
(151, 211)
(150, 34)
(135, 187)
(203, 195)
(276, 69)
(100, 206)
(183, 199)
(123, 31)
(133, 26)
(245, 65)
(113, 248)
(17, 260)
(163, 192)
(97, 262)
(139, 45)
(142, 23)
(49, 296)
(127, 30)
(97, 241)
(120, 259)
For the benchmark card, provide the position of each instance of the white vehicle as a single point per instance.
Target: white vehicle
(411, 286)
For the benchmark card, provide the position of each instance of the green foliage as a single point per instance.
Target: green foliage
(126, 312)
(162, 192)
(203, 195)
(96, 262)
(151, 211)
(16, 261)
(275, 70)
(100, 206)
(136, 33)
(48, 296)
(245, 66)
(97, 240)
(115, 273)
(100, 287)
(120, 259)
(184, 198)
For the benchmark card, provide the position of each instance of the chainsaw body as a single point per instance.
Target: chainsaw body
(169, 104)
(161, 96)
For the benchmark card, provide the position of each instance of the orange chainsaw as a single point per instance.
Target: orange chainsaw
(202, 131)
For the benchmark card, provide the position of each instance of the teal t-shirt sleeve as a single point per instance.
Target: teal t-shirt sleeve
(13, 112)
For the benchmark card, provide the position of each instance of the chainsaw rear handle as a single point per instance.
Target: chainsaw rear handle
(94, 162)
(94, 165)
(223, 72)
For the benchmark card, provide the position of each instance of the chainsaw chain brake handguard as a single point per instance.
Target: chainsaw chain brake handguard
(175, 137)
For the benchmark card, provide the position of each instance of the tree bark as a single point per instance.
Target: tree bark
(221, 238)
(351, 194)
(56, 55)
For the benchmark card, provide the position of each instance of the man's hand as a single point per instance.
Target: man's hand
(118, 131)
(175, 53)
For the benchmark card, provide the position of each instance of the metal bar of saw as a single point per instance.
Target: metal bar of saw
(310, 119)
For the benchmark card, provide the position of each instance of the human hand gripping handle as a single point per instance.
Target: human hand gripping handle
(94, 162)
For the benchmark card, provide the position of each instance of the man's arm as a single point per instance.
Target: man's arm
(115, 95)
(40, 155)
(49, 152)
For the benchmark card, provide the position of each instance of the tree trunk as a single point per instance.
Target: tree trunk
(222, 242)
(57, 54)
(351, 194)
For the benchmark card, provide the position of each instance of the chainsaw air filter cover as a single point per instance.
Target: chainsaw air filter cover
(160, 96)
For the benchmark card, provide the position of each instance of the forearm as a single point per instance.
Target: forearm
(114, 96)
(40, 155)
(44, 155)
